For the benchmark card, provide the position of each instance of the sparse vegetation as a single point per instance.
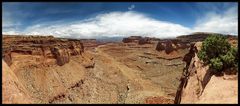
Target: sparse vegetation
(218, 53)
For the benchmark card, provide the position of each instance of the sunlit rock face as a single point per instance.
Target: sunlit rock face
(46, 46)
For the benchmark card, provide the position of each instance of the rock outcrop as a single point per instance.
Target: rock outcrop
(12, 89)
(89, 43)
(7, 55)
(43, 69)
(47, 46)
(170, 45)
(133, 39)
(140, 40)
(200, 85)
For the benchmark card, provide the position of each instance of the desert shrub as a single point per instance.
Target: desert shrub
(218, 53)
(229, 58)
(216, 64)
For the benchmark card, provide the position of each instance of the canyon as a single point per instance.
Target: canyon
(138, 70)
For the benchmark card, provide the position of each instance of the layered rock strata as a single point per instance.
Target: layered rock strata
(140, 40)
(47, 46)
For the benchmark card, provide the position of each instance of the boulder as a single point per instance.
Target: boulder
(169, 48)
(61, 55)
(160, 46)
(145, 40)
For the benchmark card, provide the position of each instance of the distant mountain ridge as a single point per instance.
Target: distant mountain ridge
(200, 36)
(196, 36)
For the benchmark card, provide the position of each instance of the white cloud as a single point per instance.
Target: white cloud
(133, 23)
(111, 24)
(226, 23)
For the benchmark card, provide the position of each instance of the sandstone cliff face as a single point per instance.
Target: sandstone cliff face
(7, 56)
(12, 89)
(65, 73)
(43, 69)
(140, 40)
(46, 46)
(199, 85)
(89, 42)
(134, 39)
(171, 45)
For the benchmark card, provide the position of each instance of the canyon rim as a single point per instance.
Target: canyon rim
(118, 53)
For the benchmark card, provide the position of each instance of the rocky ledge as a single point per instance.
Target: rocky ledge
(170, 45)
(59, 49)
(140, 40)
(199, 85)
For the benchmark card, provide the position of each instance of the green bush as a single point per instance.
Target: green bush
(229, 58)
(216, 63)
(218, 53)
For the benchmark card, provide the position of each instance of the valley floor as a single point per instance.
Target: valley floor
(111, 73)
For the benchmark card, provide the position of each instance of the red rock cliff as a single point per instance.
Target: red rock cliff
(47, 46)
(199, 85)
(140, 40)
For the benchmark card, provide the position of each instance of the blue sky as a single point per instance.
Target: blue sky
(96, 19)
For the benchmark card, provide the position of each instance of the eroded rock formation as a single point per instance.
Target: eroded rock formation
(134, 39)
(54, 70)
(171, 45)
(47, 46)
(200, 85)
(87, 43)
(140, 40)
(42, 68)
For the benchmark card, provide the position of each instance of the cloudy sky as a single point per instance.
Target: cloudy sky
(93, 20)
